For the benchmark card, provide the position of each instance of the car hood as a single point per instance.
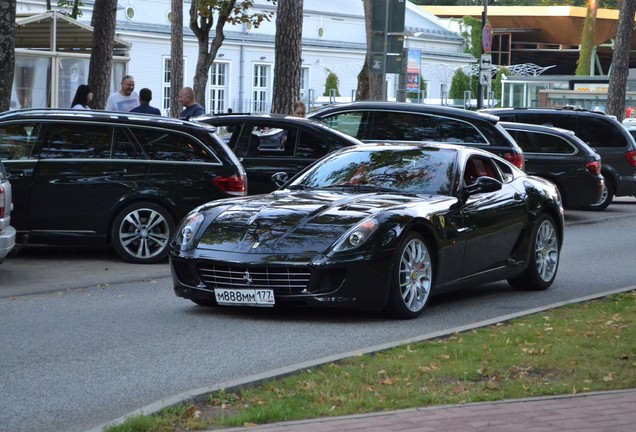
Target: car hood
(297, 221)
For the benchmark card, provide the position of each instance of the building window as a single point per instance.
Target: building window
(321, 32)
(217, 99)
(259, 88)
(130, 12)
(304, 83)
(165, 87)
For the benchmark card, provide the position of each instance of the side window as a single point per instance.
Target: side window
(17, 140)
(350, 123)
(167, 145)
(545, 143)
(424, 127)
(313, 146)
(599, 132)
(479, 167)
(124, 147)
(76, 141)
(270, 141)
(524, 140)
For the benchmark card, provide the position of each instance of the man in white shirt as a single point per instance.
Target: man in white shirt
(125, 99)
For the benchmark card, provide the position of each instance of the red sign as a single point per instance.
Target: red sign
(486, 38)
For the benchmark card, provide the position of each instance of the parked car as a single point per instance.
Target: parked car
(601, 132)
(374, 226)
(96, 178)
(269, 143)
(373, 120)
(7, 232)
(561, 157)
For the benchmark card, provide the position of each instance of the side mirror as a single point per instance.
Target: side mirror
(484, 184)
(280, 178)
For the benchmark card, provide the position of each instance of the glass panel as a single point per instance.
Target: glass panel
(168, 146)
(77, 141)
(17, 140)
(31, 85)
(71, 73)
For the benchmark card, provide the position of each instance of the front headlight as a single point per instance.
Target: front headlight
(187, 230)
(356, 236)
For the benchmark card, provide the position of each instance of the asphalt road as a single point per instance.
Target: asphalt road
(96, 339)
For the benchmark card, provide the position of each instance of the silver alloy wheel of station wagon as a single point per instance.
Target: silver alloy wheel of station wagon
(141, 233)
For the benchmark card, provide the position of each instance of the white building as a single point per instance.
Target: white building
(242, 76)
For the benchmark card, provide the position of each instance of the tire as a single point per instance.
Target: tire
(141, 233)
(543, 257)
(606, 198)
(411, 278)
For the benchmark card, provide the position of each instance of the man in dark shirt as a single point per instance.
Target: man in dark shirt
(145, 96)
(192, 109)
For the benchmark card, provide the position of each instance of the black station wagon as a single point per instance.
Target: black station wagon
(91, 178)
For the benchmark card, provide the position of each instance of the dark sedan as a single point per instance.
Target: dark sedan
(269, 143)
(375, 227)
(561, 157)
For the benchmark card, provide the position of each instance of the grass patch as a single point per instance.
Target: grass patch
(577, 348)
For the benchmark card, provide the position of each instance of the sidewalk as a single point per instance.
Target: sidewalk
(613, 411)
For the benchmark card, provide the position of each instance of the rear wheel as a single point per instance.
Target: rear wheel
(544, 257)
(141, 233)
(412, 278)
(606, 197)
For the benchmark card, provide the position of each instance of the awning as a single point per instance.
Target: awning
(55, 32)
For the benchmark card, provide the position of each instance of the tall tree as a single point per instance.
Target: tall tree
(202, 16)
(7, 52)
(288, 51)
(369, 83)
(101, 63)
(176, 57)
(588, 39)
(619, 69)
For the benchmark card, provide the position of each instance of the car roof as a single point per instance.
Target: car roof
(408, 107)
(537, 128)
(567, 109)
(101, 116)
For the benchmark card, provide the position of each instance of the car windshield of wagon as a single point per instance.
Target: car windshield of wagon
(408, 170)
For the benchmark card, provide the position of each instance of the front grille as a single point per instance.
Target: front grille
(283, 280)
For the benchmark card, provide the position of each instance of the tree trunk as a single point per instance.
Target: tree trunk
(289, 29)
(7, 52)
(588, 39)
(101, 63)
(369, 83)
(619, 69)
(176, 57)
(201, 27)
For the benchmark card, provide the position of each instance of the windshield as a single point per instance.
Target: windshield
(406, 170)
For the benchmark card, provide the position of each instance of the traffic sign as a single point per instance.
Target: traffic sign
(485, 62)
(485, 78)
(486, 38)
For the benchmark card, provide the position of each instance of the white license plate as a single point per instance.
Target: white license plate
(246, 297)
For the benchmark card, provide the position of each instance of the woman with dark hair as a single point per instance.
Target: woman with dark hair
(83, 96)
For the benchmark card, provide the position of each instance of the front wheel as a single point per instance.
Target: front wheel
(544, 257)
(412, 278)
(141, 233)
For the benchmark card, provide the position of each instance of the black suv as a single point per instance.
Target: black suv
(94, 178)
(603, 133)
(270, 143)
(401, 121)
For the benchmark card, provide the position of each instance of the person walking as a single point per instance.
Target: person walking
(145, 96)
(192, 109)
(126, 98)
(83, 96)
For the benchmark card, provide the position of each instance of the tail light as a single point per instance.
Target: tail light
(516, 159)
(2, 202)
(232, 185)
(593, 168)
(631, 158)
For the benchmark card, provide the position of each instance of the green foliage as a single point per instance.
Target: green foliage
(239, 13)
(71, 8)
(471, 32)
(332, 82)
(460, 83)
